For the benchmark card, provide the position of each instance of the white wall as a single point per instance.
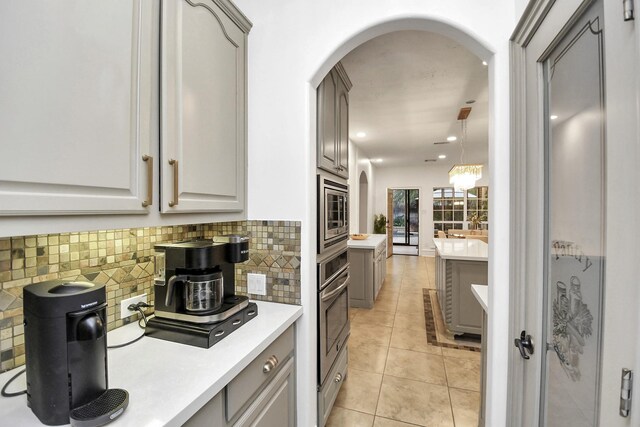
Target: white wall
(359, 162)
(292, 45)
(424, 178)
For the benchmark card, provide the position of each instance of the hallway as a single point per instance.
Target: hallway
(395, 377)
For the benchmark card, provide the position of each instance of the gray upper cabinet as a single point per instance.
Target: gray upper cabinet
(75, 107)
(203, 106)
(79, 103)
(333, 122)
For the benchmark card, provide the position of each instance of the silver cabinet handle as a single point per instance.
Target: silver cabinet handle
(149, 161)
(174, 202)
(218, 334)
(338, 378)
(270, 364)
(236, 322)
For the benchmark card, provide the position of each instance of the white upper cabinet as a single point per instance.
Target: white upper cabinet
(75, 106)
(203, 106)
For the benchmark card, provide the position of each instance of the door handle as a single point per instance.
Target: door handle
(174, 202)
(524, 344)
(149, 161)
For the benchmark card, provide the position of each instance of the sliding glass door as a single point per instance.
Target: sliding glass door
(405, 217)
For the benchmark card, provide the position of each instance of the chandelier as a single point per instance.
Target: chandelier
(464, 176)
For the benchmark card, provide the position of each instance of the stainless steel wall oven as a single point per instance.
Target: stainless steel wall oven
(333, 310)
(333, 212)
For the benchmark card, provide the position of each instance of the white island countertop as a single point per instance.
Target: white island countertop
(463, 249)
(370, 242)
(481, 292)
(169, 382)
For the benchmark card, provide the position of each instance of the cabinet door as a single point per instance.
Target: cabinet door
(343, 130)
(210, 415)
(75, 106)
(203, 85)
(327, 144)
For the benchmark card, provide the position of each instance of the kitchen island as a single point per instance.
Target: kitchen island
(459, 264)
(169, 383)
(368, 259)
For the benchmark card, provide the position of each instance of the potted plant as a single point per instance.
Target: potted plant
(475, 220)
(380, 224)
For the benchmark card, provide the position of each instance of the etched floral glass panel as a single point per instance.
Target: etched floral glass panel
(575, 183)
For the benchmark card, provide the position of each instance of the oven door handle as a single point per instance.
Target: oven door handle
(336, 291)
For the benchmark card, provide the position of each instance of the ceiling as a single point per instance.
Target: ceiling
(408, 87)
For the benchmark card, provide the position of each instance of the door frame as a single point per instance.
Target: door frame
(407, 209)
(390, 217)
(532, 19)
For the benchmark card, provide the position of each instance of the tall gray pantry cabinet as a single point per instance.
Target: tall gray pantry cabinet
(84, 127)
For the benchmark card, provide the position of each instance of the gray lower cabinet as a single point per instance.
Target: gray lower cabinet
(368, 268)
(461, 311)
(328, 392)
(262, 395)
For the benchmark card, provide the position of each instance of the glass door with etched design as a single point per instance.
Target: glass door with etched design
(574, 224)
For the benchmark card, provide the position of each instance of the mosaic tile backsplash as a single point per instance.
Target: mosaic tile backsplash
(123, 260)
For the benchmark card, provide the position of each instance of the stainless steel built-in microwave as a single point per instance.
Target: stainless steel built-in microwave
(333, 212)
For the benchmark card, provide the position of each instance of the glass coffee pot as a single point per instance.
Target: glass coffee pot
(202, 292)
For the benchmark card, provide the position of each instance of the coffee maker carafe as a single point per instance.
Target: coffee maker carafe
(202, 293)
(195, 299)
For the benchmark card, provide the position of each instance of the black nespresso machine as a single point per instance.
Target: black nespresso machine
(65, 331)
(195, 299)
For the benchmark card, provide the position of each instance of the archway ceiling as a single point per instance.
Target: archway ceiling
(408, 87)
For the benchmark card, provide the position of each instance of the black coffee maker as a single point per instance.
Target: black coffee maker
(65, 332)
(195, 300)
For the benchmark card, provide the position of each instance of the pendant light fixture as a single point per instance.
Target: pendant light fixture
(464, 176)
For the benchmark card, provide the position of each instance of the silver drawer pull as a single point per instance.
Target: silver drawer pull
(218, 334)
(237, 322)
(338, 377)
(270, 364)
(251, 313)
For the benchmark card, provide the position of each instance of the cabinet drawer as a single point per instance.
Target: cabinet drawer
(379, 249)
(242, 388)
(329, 391)
(275, 405)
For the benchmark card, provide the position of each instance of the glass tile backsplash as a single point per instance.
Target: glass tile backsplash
(123, 260)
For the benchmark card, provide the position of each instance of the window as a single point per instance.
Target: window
(478, 207)
(454, 209)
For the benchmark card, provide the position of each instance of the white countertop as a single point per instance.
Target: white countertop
(465, 249)
(481, 292)
(168, 382)
(370, 242)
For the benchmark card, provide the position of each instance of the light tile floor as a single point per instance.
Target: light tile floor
(395, 377)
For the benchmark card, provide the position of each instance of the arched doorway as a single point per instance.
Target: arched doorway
(381, 399)
(363, 216)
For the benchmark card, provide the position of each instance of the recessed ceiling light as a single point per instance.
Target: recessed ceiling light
(376, 160)
(361, 134)
(442, 156)
(484, 63)
(451, 138)
(553, 117)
